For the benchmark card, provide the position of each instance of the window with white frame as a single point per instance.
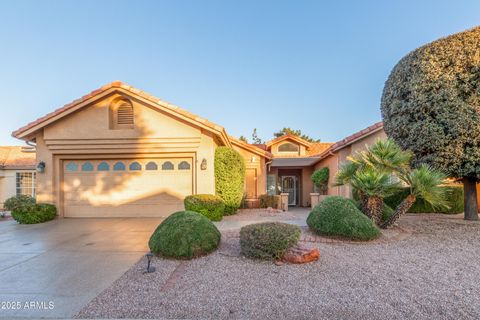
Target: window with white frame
(25, 183)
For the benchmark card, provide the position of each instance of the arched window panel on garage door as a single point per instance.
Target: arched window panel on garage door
(119, 166)
(135, 166)
(151, 166)
(167, 165)
(71, 166)
(184, 165)
(87, 166)
(103, 166)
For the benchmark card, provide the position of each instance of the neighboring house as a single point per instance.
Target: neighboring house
(17, 172)
(119, 152)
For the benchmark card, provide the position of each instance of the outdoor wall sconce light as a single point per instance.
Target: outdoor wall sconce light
(41, 167)
(203, 165)
(150, 268)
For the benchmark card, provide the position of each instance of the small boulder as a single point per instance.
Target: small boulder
(301, 254)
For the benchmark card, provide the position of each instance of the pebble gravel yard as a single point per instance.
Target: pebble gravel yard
(432, 274)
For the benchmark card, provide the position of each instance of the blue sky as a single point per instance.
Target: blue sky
(314, 65)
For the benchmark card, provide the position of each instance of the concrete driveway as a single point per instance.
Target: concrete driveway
(51, 270)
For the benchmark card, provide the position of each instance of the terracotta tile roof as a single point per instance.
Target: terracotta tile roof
(352, 138)
(318, 147)
(288, 137)
(124, 86)
(262, 146)
(14, 157)
(251, 147)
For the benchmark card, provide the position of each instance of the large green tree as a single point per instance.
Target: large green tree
(431, 106)
(294, 132)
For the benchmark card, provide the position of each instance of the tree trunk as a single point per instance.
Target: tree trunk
(470, 198)
(375, 206)
(401, 209)
(364, 203)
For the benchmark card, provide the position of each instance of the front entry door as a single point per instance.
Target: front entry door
(289, 185)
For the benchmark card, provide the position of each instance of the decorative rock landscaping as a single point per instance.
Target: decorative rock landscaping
(301, 254)
(429, 274)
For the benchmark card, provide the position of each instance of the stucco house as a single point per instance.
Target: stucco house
(120, 152)
(17, 172)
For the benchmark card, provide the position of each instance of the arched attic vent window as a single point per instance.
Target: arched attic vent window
(121, 114)
(288, 147)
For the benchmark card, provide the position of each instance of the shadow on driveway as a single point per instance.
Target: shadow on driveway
(65, 262)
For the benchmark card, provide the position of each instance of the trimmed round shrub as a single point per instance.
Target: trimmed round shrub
(229, 178)
(338, 216)
(209, 205)
(268, 240)
(19, 201)
(34, 213)
(184, 235)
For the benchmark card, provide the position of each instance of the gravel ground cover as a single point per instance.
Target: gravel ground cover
(432, 274)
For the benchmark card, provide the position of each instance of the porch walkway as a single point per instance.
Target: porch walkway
(296, 216)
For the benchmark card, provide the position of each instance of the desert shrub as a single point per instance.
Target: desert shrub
(454, 195)
(184, 235)
(268, 240)
(320, 179)
(18, 202)
(34, 213)
(229, 178)
(338, 216)
(269, 201)
(209, 205)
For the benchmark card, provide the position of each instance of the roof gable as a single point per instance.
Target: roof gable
(289, 137)
(26, 132)
(251, 147)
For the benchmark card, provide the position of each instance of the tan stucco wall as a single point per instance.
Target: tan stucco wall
(87, 134)
(8, 184)
(254, 161)
(307, 186)
(334, 161)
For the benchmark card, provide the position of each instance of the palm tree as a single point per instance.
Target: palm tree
(369, 172)
(424, 183)
(372, 185)
(379, 171)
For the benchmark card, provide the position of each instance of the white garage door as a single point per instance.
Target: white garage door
(126, 188)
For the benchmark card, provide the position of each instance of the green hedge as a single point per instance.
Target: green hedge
(268, 240)
(34, 213)
(184, 235)
(320, 178)
(229, 178)
(454, 199)
(209, 205)
(268, 201)
(338, 216)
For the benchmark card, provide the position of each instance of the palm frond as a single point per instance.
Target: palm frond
(426, 183)
(374, 182)
(346, 172)
(387, 155)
